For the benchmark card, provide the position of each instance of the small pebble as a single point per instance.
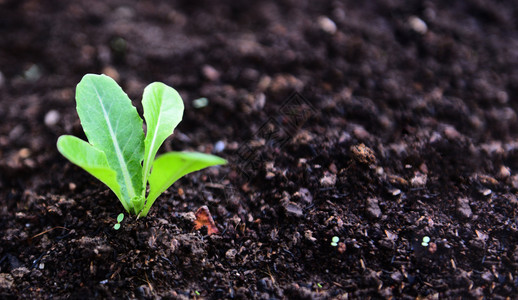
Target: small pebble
(305, 195)
(33, 73)
(363, 154)
(417, 25)
(200, 102)
(481, 235)
(294, 209)
(52, 118)
(328, 180)
(231, 254)
(504, 172)
(269, 175)
(219, 146)
(451, 133)
(395, 192)
(487, 276)
(260, 100)
(327, 24)
(486, 192)
(397, 276)
(24, 153)
(6, 281)
(210, 73)
(419, 180)
(391, 235)
(308, 234)
(463, 208)
(188, 216)
(373, 209)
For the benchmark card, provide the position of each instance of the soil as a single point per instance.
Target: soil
(390, 125)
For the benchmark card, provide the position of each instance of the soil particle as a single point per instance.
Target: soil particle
(293, 209)
(210, 73)
(419, 180)
(304, 195)
(231, 254)
(6, 281)
(327, 25)
(363, 154)
(20, 272)
(52, 118)
(463, 208)
(372, 208)
(328, 180)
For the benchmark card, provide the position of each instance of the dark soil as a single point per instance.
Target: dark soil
(340, 118)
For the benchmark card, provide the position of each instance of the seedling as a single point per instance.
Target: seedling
(120, 217)
(117, 152)
(334, 241)
(426, 241)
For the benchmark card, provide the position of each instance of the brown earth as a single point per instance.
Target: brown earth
(380, 124)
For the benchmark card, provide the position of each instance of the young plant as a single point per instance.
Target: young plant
(117, 152)
(120, 217)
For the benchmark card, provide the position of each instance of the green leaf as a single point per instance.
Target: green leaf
(163, 110)
(117, 153)
(91, 160)
(113, 126)
(171, 166)
(117, 226)
(138, 203)
(120, 217)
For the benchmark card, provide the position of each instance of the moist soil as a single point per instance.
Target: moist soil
(390, 126)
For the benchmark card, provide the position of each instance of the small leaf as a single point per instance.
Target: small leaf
(204, 218)
(138, 203)
(91, 160)
(117, 226)
(113, 126)
(163, 110)
(171, 166)
(120, 217)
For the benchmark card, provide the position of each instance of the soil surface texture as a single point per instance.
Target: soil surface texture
(373, 149)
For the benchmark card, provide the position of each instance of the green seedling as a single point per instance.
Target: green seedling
(120, 217)
(118, 153)
(426, 241)
(334, 241)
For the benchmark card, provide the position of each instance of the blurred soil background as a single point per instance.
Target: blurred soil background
(388, 125)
